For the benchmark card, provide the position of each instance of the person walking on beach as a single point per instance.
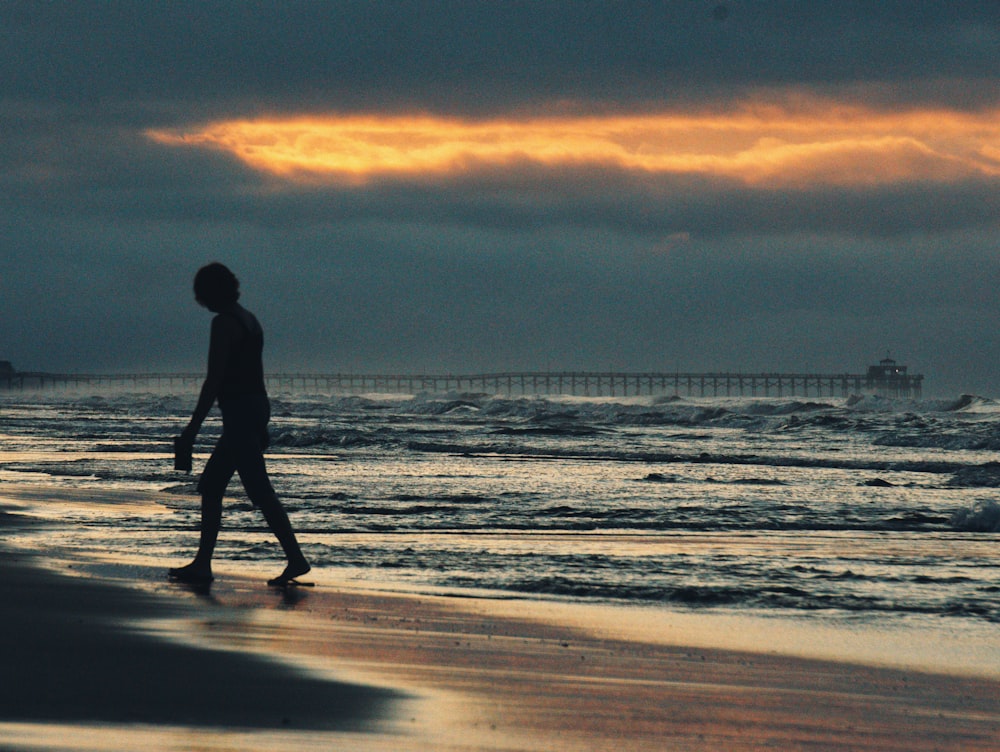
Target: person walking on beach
(235, 380)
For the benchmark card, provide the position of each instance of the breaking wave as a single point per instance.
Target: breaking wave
(983, 517)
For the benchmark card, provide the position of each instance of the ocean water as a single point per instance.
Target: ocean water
(855, 509)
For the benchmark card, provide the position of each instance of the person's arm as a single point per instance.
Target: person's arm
(224, 334)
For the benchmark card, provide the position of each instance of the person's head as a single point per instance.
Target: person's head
(215, 287)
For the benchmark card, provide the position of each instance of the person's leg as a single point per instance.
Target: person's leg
(214, 479)
(277, 520)
(249, 449)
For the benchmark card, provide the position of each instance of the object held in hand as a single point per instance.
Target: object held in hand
(182, 454)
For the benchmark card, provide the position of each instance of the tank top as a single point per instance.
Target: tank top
(244, 374)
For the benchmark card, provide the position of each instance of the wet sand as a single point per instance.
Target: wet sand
(74, 651)
(109, 656)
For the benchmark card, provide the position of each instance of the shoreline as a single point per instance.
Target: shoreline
(925, 643)
(395, 670)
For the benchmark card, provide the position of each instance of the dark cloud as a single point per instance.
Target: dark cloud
(462, 55)
(380, 295)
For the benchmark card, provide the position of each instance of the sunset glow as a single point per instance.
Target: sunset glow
(828, 144)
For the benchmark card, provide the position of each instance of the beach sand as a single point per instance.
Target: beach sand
(105, 655)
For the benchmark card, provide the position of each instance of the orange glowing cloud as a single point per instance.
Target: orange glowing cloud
(823, 143)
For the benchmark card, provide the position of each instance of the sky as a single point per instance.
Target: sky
(750, 185)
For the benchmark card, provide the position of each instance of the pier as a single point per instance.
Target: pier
(889, 382)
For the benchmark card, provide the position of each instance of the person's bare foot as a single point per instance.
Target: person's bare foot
(293, 570)
(194, 574)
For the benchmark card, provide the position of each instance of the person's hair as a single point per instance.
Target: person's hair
(215, 286)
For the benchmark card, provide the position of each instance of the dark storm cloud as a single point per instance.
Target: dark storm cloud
(466, 55)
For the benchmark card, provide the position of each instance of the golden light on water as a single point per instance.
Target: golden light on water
(823, 143)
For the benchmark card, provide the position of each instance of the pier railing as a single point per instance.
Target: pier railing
(577, 383)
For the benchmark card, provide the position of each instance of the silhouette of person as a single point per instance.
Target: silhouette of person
(235, 379)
